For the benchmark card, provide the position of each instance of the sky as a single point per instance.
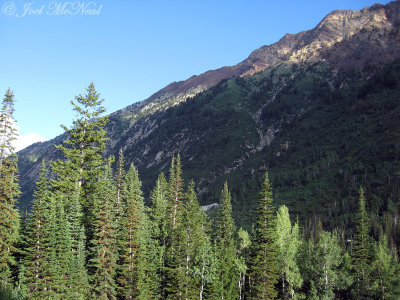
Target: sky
(50, 51)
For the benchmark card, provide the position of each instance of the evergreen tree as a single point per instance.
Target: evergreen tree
(288, 241)
(103, 246)
(263, 270)
(83, 152)
(78, 280)
(119, 183)
(63, 252)
(130, 234)
(174, 265)
(158, 231)
(362, 253)
(9, 190)
(244, 245)
(37, 268)
(228, 275)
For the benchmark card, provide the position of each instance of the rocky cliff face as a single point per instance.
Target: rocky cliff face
(226, 128)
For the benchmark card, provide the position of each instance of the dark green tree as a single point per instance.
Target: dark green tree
(263, 267)
(227, 282)
(158, 231)
(39, 244)
(131, 230)
(103, 258)
(9, 190)
(362, 253)
(174, 265)
(82, 151)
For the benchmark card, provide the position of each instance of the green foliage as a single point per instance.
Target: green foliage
(103, 262)
(263, 265)
(9, 190)
(226, 284)
(131, 229)
(362, 252)
(82, 150)
(288, 241)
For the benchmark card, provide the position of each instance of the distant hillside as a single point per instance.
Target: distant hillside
(318, 110)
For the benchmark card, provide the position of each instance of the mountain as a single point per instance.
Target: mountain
(317, 109)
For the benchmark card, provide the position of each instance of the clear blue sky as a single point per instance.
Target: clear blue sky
(131, 49)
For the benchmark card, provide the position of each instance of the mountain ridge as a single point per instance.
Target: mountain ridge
(259, 99)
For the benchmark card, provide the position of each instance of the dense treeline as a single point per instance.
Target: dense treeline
(90, 236)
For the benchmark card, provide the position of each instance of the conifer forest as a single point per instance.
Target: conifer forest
(90, 234)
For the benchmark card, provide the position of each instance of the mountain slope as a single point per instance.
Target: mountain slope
(278, 112)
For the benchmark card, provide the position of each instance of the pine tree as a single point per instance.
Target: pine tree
(103, 246)
(130, 235)
(158, 231)
(119, 183)
(228, 275)
(83, 152)
(288, 241)
(38, 241)
(174, 247)
(78, 279)
(263, 269)
(362, 252)
(9, 190)
(63, 252)
(244, 244)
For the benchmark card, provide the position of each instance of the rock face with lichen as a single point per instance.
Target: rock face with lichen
(230, 121)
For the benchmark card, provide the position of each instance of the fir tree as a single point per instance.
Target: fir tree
(174, 264)
(9, 190)
(362, 252)
(228, 275)
(129, 238)
(37, 269)
(288, 241)
(263, 269)
(158, 231)
(83, 152)
(243, 249)
(78, 279)
(119, 183)
(103, 246)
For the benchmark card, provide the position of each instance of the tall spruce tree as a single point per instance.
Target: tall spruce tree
(228, 275)
(159, 226)
(263, 267)
(9, 190)
(174, 264)
(38, 248)
(288, 241)
(131, 229)
(362, 252)
(82, 151)
(78, 279)
(103, 251)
